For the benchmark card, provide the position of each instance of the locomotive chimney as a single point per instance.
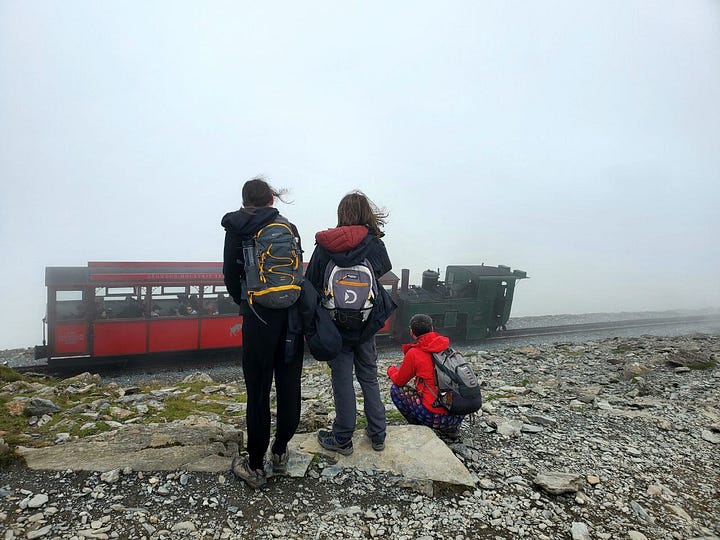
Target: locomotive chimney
(404, 279)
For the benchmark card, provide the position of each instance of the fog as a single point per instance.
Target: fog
(578, 141)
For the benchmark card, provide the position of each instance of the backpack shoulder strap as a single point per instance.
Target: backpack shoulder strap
(435, 379)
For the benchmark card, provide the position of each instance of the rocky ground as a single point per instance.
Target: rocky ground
(606, 438)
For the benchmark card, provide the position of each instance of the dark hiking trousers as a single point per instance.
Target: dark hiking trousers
(362, 358)
(264, 356)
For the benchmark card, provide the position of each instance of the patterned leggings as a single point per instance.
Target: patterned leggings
(410, 405)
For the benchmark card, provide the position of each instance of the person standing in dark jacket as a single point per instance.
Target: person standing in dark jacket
(356, 238)
(265, 352)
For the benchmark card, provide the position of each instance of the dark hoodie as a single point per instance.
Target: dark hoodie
(346, 246)
(240, 225)
(418, 363)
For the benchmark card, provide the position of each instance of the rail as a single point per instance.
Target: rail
(537, 331)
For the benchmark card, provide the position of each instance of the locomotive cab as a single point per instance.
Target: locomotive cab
(472, 302)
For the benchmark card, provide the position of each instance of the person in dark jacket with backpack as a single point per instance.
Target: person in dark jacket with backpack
(417, 404)
(355, 241)
(266, 351)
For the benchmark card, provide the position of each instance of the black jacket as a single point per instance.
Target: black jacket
(240, 225)
(346, 248)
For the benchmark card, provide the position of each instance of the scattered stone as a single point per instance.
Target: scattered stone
(641, 513)
(40, 406)
(529, 428)
(634, 369)
(579, 531)
(504, 426)
(38, 500)
(542, 420)
(198, 377)
(592, 479)
(691, 359)
(37, 533)
(679, 512)
(628, 437)
(557, 483)
(17, 406)
(110, 477)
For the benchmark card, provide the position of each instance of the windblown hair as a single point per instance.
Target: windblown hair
(257, 193)
(421, 324)
(356, 209)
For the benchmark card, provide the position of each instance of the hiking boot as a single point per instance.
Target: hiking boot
(330, 442)
(280, 463)
(450, 434)
(378, 442)
(253, 478)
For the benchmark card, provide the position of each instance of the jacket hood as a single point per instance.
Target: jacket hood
(433, 342)
(346, 245)
(341, 238)
(248, 221)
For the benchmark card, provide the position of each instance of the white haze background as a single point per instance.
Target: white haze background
(579, 141)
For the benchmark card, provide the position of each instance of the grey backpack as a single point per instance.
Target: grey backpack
(458, 386)
(349, 293)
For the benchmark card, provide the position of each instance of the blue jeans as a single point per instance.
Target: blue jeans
(363, 359)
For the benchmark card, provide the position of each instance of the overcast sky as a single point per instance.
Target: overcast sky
(579, 141)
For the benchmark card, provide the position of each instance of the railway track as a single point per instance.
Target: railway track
(519, 333)
(192, 363)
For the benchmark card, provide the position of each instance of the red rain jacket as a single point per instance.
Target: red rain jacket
(418, 363)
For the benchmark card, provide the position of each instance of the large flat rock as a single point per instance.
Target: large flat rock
(152, 447)
(413, 452)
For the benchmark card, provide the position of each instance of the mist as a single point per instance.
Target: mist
(579, 142)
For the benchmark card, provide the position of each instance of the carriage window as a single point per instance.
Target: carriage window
(69, 305)
(210, 301)
(120, 302)
(175, 302)
(217, 302)
(225, 304)
(172, 290)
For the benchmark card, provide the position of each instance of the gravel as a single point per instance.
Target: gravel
(598, 438)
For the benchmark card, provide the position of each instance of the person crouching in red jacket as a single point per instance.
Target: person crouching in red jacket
(417, 404)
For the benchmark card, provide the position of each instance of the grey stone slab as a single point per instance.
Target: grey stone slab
(153, 447)
(298, 462)
(413, 452)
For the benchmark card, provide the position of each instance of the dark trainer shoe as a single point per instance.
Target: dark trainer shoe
(450, 434)
(253, 478)
(280, 463)
(329, 442)
(378, 443)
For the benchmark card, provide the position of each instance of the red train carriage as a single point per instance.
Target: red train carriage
(124, 309)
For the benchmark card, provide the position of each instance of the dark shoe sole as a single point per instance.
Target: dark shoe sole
(280, 469)
(238, 469)
(377, 446)
(345, 450)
